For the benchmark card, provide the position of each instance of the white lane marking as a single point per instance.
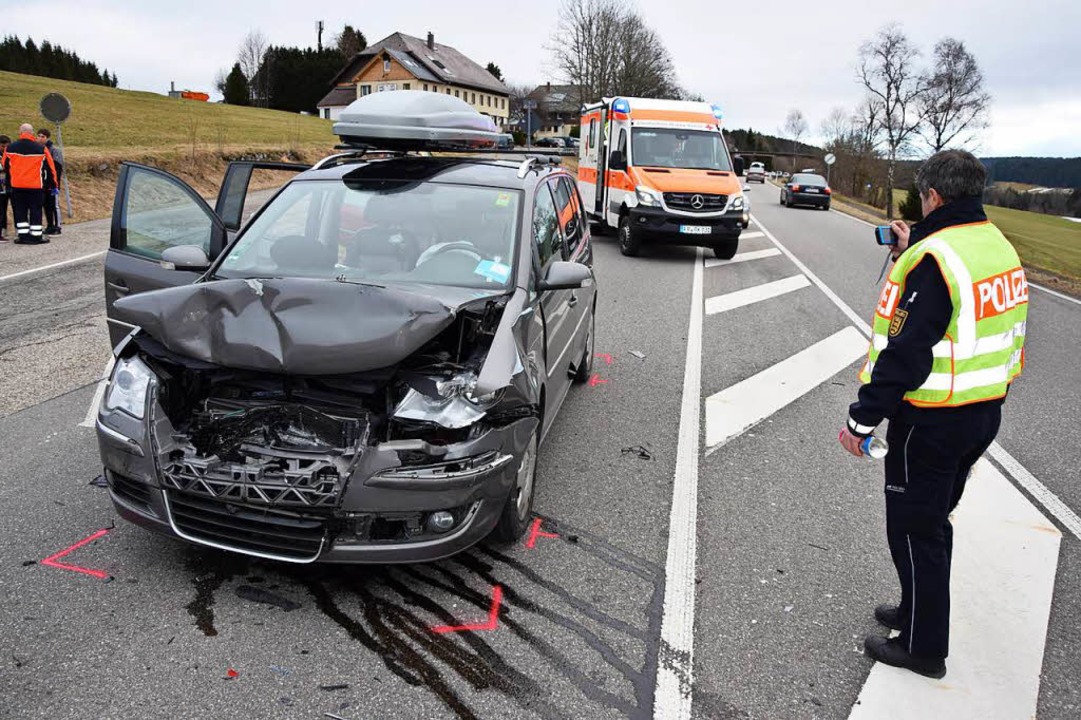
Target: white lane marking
(740, 407)
(1048, 499)
(672, 699)
(749, 235)
(43, 268)
(758, 293)
(1020, 475)
(744, 257)
(99, 391)
(996, 638)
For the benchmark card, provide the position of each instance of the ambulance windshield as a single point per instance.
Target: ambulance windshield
(672, 148)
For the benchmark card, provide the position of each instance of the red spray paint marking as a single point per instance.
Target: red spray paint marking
(597, 380)
(604, 356)
(489, 624)
(52, 560)
(535, 532)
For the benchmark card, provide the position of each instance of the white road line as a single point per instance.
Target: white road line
(1020, 475)
(997, 638)
(43, 268)
(99, 391)
(744, 257)
(672, 699)
(750, 235)
(740, 407)
(758, 293)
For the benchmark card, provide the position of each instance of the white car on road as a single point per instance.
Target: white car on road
(757, 171)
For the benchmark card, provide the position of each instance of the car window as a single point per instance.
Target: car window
(383, 233)
(159, 213)
(546, 234)
(808, 179)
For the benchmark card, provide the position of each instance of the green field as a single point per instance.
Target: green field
(1044, 242)
(106, 121)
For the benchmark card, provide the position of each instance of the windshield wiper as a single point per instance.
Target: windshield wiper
(344, 279)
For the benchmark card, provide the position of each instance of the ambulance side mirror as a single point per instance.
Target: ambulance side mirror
(738, 164)
(617, 161)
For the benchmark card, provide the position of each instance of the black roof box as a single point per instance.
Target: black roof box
(414, 120)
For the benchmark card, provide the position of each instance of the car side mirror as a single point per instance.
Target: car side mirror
(185, 257)
(617, 161)
(563, 275)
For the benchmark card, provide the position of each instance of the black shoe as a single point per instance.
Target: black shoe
(890, 651)
(888, 615)
(52, 231)
(35, 241)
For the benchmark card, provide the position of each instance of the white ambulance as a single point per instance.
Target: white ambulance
(659, 170)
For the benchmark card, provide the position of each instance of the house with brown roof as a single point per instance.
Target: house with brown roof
(559, 109)
(403, 62)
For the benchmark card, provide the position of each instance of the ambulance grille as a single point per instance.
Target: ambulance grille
(695, 202)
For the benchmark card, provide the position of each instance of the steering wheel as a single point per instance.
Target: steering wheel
(460, 246)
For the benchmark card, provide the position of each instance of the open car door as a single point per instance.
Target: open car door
(154, 211)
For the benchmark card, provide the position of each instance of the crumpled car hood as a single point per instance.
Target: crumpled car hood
(289, 325)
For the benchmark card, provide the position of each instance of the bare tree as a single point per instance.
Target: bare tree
(220, 80)
(795, 127)
(605, 48)
(250, 55)
(887, 70)
(955, 103)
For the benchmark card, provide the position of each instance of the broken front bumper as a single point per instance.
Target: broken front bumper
(378, 513)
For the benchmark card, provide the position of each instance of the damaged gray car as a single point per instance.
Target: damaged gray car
(363, 373)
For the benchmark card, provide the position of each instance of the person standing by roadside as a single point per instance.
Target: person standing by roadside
(52, 196)
(30, 171)
(4, 142)
(947, 342)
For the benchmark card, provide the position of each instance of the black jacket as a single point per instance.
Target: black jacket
(905, 363)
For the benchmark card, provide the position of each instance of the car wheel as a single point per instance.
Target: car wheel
(726, 249)
(585, 365)
(630, 242)
(826, 206)
(519, 506)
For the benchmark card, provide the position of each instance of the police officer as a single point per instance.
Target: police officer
(947, 342)
(30, 174)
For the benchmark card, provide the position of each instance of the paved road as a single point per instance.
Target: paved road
(790, 554)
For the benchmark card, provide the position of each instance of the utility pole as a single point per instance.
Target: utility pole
(319, 34)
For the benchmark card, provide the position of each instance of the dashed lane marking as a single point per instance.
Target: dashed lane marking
(747, 236)
(736, 409)
(996, 638)
(758, 293)
(744, 257)
(673, 697)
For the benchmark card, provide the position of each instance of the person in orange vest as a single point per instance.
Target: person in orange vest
(30, 173)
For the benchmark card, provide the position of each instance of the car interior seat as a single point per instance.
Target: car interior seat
(304, 255)
(389, 245)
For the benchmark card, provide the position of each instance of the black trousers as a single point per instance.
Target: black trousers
(3, 211)
(26, 207)
(926, 470)
(51, 210)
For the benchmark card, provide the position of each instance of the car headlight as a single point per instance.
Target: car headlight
(647, 196)
(454, 403)
(128, 387)
(737, 202)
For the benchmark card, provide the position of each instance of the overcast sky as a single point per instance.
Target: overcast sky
(757, 58)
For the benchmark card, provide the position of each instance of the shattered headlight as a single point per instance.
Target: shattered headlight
(451, 403)
(127, 389)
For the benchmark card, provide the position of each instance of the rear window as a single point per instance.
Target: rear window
(808, 179)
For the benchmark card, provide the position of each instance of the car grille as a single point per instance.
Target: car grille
(280, 534)
(269, 481)
(688, 202)
(130, 491)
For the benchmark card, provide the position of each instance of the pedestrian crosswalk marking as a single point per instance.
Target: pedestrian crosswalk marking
(744, 257)
(740, 407)
(739, 298)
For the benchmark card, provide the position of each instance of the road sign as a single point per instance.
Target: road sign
(529, 104)
(829, 159)
(56, 109)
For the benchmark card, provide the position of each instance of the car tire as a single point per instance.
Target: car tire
(517, 511)
(826, 206)
(726, 249)
(585, 364)
(782, 199)
(630, 240)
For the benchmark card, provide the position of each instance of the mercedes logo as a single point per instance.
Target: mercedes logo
(697, 202)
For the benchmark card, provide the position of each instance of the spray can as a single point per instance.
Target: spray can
(874, 448)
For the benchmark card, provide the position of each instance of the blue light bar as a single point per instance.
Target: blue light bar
(717, 113)
(621, 106)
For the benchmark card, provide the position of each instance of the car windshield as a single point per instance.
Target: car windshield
(808, 180)
(382, 233)
(670, 148)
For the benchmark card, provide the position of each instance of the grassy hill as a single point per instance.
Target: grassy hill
(191, 139)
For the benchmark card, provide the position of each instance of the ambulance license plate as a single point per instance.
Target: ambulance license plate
(695, 229)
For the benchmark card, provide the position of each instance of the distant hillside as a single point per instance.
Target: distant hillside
(1042, 171)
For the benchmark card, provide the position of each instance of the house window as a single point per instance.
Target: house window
(448, 91)
(405, 86)
(425, 87)
(365, 90)
(386, 65)
(474, 101)
(456, 94)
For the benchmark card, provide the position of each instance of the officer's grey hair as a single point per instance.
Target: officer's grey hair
(954, 174)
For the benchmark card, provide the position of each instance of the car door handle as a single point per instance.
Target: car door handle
(120, 288)
(573, 301)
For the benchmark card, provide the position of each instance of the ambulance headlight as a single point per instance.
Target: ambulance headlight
(737, 203)
(647, 196)
(127, 389)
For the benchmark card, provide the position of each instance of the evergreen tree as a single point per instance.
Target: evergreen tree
(350, 42)
(912, 209)
(236, 87)
(50, 60)
(494, 71)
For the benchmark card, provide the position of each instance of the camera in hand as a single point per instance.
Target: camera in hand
(884, 235)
